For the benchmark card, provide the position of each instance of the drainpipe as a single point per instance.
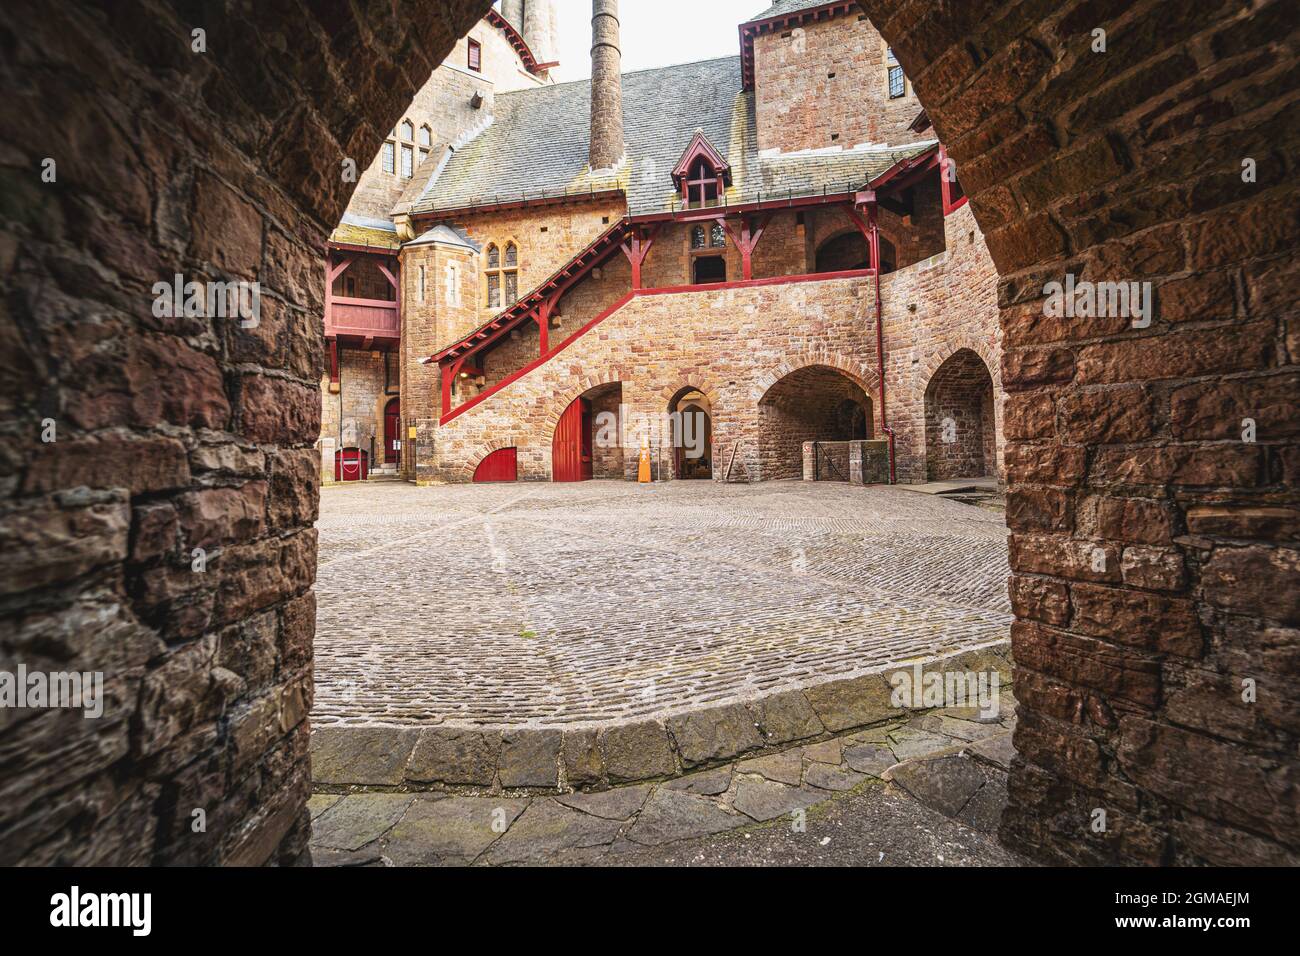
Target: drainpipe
(880, 344)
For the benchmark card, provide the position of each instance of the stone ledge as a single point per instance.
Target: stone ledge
(595, 757)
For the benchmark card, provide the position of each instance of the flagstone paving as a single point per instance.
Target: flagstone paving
(561, 606)
(910, 796)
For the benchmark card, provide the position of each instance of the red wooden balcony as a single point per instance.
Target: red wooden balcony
(364, 319)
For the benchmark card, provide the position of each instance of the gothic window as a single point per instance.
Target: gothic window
(895, 79)
(408, 130)
(390, 158)
(502, 275)
(408, 162)
(701, 184)
(717, 236)
(697, 237)
(426, 136)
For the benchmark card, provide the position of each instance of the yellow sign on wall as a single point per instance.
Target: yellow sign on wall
(410, 433)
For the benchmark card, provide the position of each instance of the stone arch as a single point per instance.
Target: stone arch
(807, 404)
(842, 251)
(960, 432)
(251, 164)
(468, 463)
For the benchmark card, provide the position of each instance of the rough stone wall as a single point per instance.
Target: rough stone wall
(933, 309)
(449, 308)
(824, 85)
(548, 237)
(172, 433)
(1153, 550)
(743, 342)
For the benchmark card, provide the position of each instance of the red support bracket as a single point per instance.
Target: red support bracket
(449, 373)
(746, 241)
(636, 248)
(334, 361)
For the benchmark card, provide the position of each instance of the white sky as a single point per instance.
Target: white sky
(655, 32)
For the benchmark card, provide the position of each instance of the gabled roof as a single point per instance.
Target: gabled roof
(698, 147)
(537, 147)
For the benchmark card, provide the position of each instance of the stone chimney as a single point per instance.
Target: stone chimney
(607, 146)
(513, 12)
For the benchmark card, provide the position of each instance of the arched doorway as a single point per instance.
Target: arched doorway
(844, 252)
(501, 465)
(588, 442)
(814, 403)
(960, 438)
(393, 432)
(691, 415)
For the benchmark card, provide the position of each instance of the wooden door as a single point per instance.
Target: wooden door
(571, 447)
(501, 465)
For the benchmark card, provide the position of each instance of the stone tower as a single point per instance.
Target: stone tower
(538, 23)
(607, 146)
(513, 11)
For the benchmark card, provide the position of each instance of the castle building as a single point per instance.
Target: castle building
(755, 267)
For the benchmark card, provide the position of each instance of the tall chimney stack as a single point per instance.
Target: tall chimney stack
(607, 146)
(513, 12)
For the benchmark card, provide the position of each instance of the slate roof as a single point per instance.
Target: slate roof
(447, 236)
(537, 146)
(365, 231)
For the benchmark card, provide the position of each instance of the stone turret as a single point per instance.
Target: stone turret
(607, 146)
(538, 23)
(513, 11)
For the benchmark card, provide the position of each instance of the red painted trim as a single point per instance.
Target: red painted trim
(907, 170)
(945, 185)
(515, 376)
(388, 251)
(517, 41)
(700, 147)
(390, 304)
(667, 290)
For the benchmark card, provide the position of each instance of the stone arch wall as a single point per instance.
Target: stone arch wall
(1122, 440)
(174, 433)
(959, 429)
(1144, 578)
(804, 405)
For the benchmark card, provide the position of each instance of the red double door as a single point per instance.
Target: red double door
(501, 465)
(571, 449)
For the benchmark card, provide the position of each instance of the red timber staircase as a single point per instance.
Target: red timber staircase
(538, 306)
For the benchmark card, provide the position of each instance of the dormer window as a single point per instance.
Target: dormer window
(702, 175)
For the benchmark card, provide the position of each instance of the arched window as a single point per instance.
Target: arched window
(425, 138)
(408, 130)
(697, 237)
(718, 236)
(502, 271)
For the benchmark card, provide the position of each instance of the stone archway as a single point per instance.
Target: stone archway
(960, 431)
(179, 433)
(1126, 165)
(812, 403)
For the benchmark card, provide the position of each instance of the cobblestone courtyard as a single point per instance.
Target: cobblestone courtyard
(556, 605)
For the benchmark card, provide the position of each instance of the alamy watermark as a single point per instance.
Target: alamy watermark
(214, 300)
(22, 689)
(920, 690)
(1074, 299)
(627, 429)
